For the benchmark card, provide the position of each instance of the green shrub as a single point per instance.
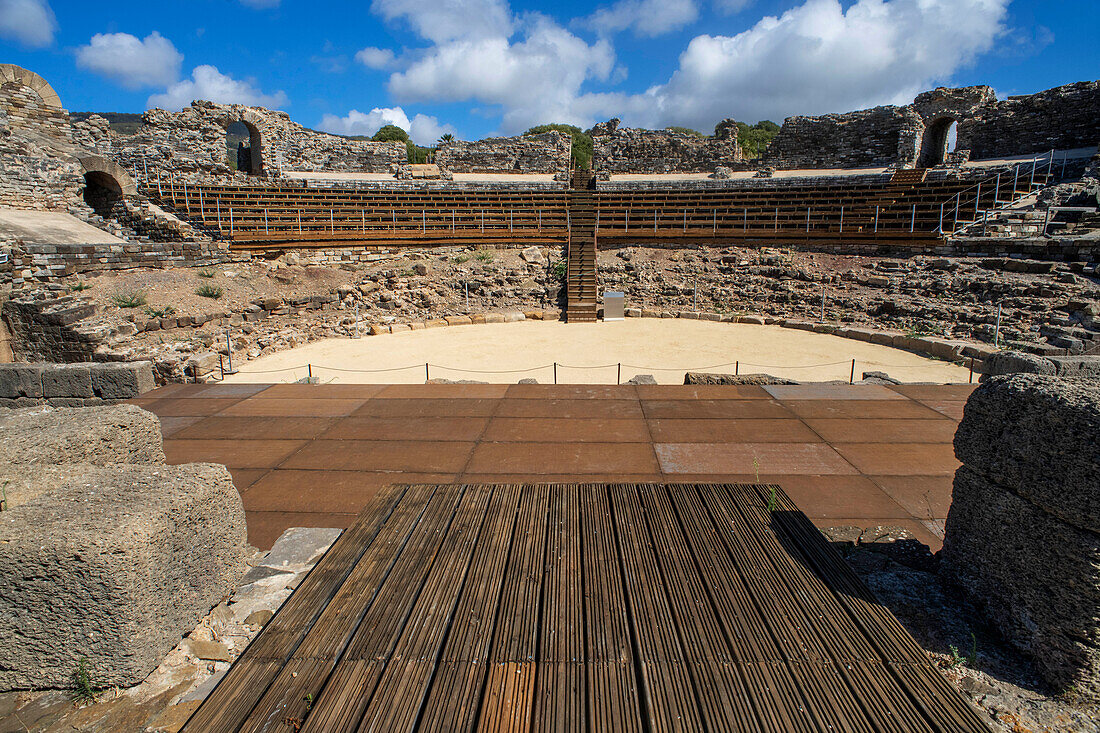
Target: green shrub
(210, 291)
(129, 299)
(83, 687)
(159, 312)
(558, 270)
(206, 272)
(483, 255)
(79, 286)
(755, 138)
(582, 142)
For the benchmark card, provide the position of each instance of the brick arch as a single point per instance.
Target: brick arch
(254, 122)
(95, 167)
(10, 73)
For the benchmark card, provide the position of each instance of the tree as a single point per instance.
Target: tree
(754, 139)
(390, 133)
(446, 138)
(582, 143)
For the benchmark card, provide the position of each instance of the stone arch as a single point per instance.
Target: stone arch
(107, 173)
(250, 160)
(934, 146)
(12, 74)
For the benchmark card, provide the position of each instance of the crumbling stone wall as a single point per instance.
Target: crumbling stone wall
(634, 150)
(868, 138)
(1023, 532)
(547, 152)
(1062, 118)
(192, 143)
(38, 168)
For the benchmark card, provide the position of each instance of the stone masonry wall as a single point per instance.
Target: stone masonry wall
(873, 137)
(1062, 118)
(38, 166)
(544, 153)
(192, 143)
(73, 385)
(634, 150)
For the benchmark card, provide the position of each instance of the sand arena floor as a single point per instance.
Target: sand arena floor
(590, 353)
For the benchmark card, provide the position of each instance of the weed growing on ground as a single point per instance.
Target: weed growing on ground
(83, 686)
(130, 299)
(79, 286)
(161, 312)
(971, 658)
(309, 702)
(558, 270)
(210, 291)
(459, 259)
(483, 255)
(206, 272)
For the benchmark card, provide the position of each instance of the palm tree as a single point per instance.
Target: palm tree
(446, 138)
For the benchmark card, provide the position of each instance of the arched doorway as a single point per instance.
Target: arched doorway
(103, 193)
(939, 141)
(243, 147)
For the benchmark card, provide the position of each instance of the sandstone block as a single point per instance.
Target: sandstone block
(122, 598)
(1016, 362)
(93, 435)
(458, 320)
(122, 380)
(1035, 577)
(1037, 436)
(20, 380)
(68, 380)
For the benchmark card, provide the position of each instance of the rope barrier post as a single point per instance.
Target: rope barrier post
(160, 191)
(977, 200)
(540, 219)
(363, 219)
(941, 218)
(736, 368)
(776, 219)
(876, 219)
(619, 374)
(685, 220)
(202, 208)
(1015, 183)
(467, 297)
(423, 221)
(714, 222)
(555, 372)
(655, 221)
(745, 220)
(852, 379)
(483, 220)
(807, 219)
(913, 219)
(221, 367)
(309, 371)
(695, 296)
(427, 374)
(996, 191)
(331, 225)
(823, 290)
(452, 221)
(971, 370)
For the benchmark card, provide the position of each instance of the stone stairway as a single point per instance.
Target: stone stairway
(580, 276)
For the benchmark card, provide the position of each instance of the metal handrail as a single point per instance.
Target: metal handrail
(957, 199)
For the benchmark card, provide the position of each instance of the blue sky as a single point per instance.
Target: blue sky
(481, 67)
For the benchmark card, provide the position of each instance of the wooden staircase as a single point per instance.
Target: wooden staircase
(580, 274)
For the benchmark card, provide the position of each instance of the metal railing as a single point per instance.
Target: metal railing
(976, 204)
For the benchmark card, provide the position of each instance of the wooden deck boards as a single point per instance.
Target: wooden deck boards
(560, 607)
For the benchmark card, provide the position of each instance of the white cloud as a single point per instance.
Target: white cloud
(816, 58)
(647, 18)
(423, 129)
(375, 58)
(30, 23)
(729, 7)
(447, 20)
(534, 79)
(209, 84)
(131, 62)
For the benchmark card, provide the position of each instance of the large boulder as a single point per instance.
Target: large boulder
(112, 564)
(93, 435)
(1023, 532)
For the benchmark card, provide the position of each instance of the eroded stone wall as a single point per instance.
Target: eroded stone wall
(544, 153)
(1062, 118)
(633, 150)
(868, 138)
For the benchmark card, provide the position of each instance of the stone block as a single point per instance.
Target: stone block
(514, 317)
(1076, 366)
(113, 564)
(1037, 436)
(1016, 362)
(67, 380)
(1035, 577)
(93, 435)
(122, 380)
(494, 318)
(458, 320)
(21, 380)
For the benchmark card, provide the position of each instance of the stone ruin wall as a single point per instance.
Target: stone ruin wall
(635, 150)
(547, 152)
(38, 166)
(191, 144)
(1063, 118)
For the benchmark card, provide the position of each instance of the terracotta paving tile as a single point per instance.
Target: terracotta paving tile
(168, 390)
(443, 391)
(731, 431)
(900, 459)
(563, 458)
(294, 407)
(266, 527)
(920, 532)
(840, 496)
(218, 391)
(572, 392)
(322, 391)
(327, 491)
(146, 401)
(722, 409)
(854, 430)
(730, 458)
(924, 497)
(862, 409)
(560, 478)
(402, 407)
(950, 408)
(229, 427)
(169, 426)
(935, 391)
(184, 407)
(565, 430)
(831, 392)
(701, 392)
(395, 455)
(606, 409)
(245, 477)
(233, 453)
(408, 428)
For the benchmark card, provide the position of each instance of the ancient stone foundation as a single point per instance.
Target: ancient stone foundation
(545, 153)
(73, 385)
(109, 563)
(1023, 532)
(630, 150)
